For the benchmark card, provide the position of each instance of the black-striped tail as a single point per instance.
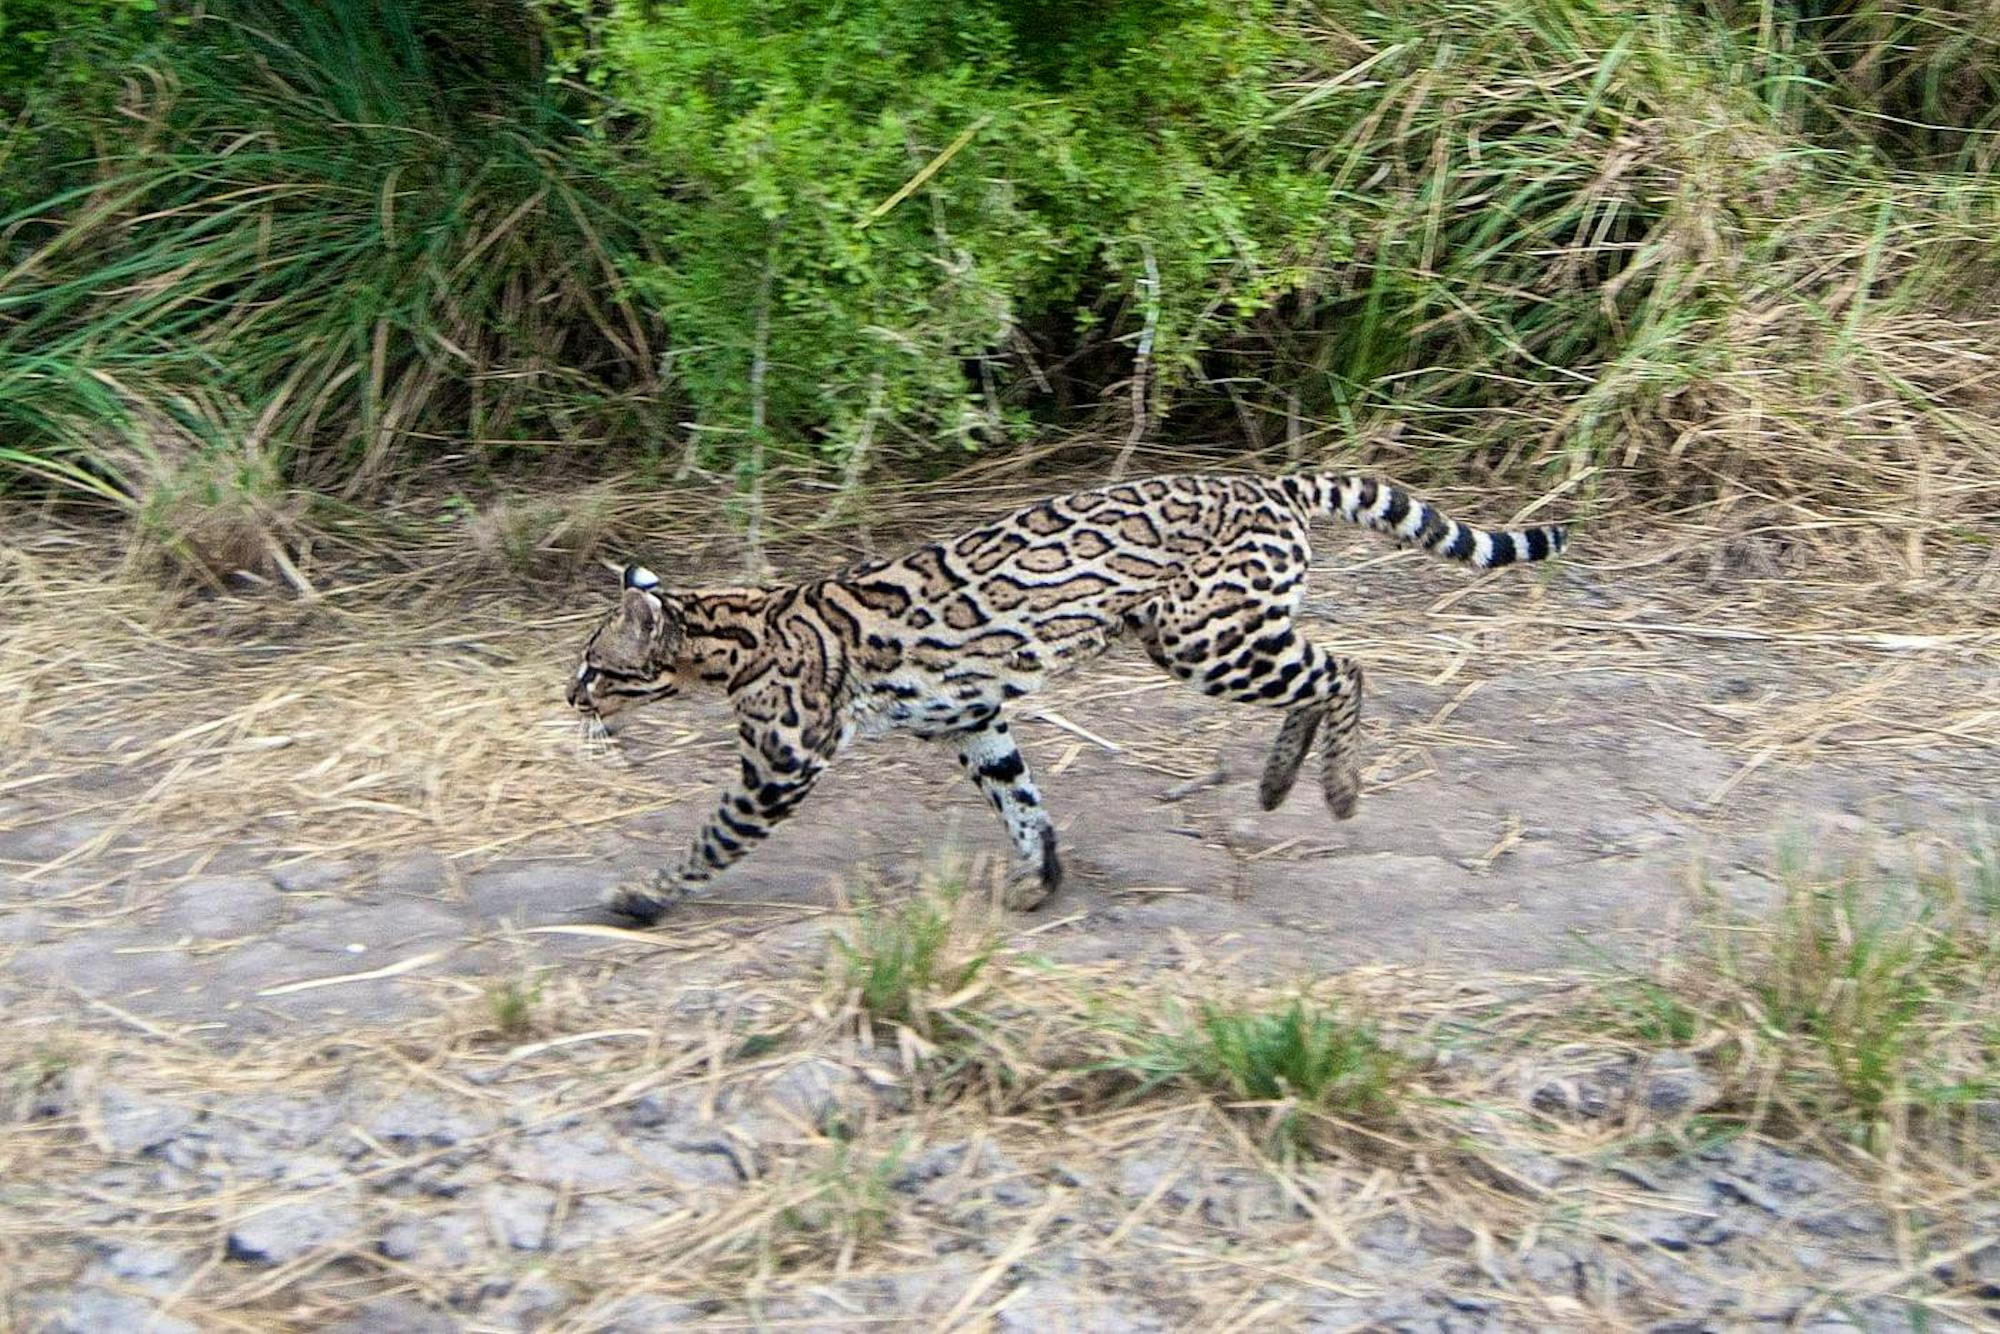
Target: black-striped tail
(1413, 522)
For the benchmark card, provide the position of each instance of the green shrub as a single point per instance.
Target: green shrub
(865, 210)
(1537, 234)
(63, 66)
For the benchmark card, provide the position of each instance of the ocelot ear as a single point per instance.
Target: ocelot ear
(648, 628)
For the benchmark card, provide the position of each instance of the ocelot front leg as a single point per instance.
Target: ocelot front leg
(781, 761)
(991, 758)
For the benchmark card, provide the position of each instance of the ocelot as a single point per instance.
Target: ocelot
(1204, 572)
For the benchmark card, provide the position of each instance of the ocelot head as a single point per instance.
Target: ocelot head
(634, 657)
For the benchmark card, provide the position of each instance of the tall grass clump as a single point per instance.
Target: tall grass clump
(1294, 1065)
(1857, 1004)
(334, 243)
(1922, 81)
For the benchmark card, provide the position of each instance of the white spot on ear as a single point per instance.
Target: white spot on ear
(638, 576)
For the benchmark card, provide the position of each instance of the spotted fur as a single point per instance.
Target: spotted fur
(1205, 573)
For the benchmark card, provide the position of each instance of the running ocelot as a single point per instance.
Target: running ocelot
(1204, 572)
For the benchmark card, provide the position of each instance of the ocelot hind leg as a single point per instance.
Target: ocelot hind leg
(1288, 754)
(1248, 650)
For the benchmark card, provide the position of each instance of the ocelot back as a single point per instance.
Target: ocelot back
(1204, 572)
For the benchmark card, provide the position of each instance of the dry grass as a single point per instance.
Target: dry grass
(1060, 1154)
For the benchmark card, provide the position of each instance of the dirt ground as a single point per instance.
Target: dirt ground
(250, 825)
(1551, 759)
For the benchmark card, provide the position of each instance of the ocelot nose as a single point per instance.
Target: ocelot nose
(579, 686)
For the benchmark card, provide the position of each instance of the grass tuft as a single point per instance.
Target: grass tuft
(1299, 1061)
(911, 963)
(1858, 1002)
(844, 1204)
(514, 1006)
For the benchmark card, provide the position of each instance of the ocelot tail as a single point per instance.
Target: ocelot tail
(1204, 572)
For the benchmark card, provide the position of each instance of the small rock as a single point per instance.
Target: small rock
(529, 1304)
(91, 1310)
(649, 1314)
(1552, 1269)
(811, 1091)
(1668, 1229)
(519, 1215)
(533, 890)
(1045, 1303)
(1071, 1177)
(266, 1123)
(24, 926)
(396, 1315)
(449, 1240)
(1014, 1193)
(424, 874)
(287, 1231)
(657, 1109)
(940, 1160)
(311, 877)
(1674, 1085)
(222, 907)
(1741, 1188)
(584, 1160)
(143, 1263)
(692, 1171)
(596, 1222)
(1140, 1176)
(1588, 1094)
(416, 1120)
(137, 1123)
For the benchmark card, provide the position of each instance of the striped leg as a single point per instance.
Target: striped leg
(1250, 652)
(780, 764)
(1288, 753)
(990, 757)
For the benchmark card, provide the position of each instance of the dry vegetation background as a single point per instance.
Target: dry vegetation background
(340, 344)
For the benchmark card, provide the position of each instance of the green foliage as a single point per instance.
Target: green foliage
(60, 42)
(513, 1005)
(861, 206)
(355, 242)
(1300, 1059)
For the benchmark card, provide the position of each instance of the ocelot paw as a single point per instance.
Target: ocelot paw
(644, 899)
(1030, 886)
(1025, 893)
(1341, 785)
